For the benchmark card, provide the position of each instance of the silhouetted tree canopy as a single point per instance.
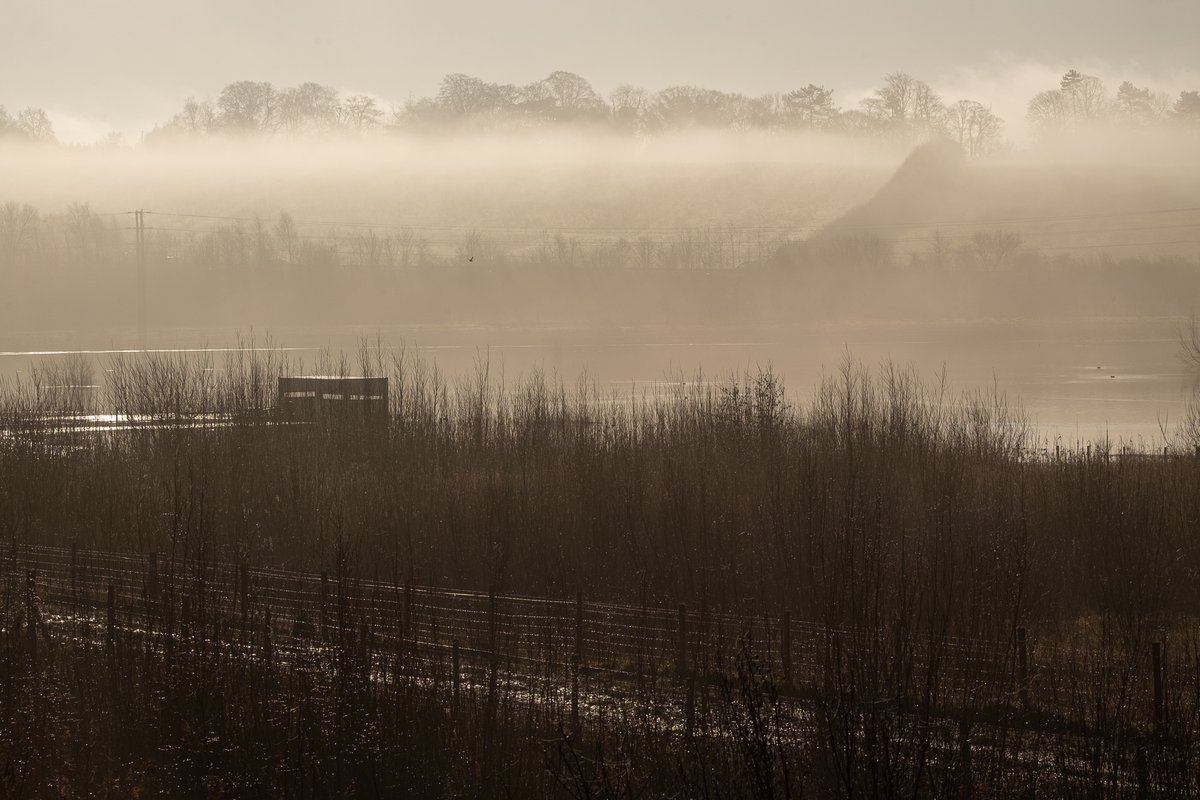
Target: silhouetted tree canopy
(903, 109)
(32, 124)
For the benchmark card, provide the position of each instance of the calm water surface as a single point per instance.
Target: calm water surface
(1078, 379)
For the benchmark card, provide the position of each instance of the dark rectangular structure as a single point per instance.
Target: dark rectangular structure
(314, 398)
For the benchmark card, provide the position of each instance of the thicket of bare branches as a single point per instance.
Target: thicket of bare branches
(882, 505)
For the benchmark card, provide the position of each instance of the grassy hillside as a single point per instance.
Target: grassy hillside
(1120, 204)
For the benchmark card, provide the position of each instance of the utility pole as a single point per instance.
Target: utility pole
(140, 227)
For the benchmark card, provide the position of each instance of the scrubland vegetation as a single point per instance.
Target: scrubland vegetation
(914, 521)
(887, 589)
(547, 488)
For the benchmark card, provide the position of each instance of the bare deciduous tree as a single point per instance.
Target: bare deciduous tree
(463, 94)
(1049, 111)
(993, 249)
(35, 124)
(907, 107)
(18, 223)
(1189, 342)
(360, 112)
(248, 106)
(811, 106)
(288, 238)
(1085, 94)
(573, 97)
(629, 105)
(198, 116)
(974, 126)
(308, 108)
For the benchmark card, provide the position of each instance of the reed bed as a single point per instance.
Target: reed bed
(903, 528)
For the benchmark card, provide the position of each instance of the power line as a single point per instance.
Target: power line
(204, 216)
(90, 213)
(1013, 220)
(948, 239)
(141, 276)
(1118, 244)
(718, 226)
(830, 227)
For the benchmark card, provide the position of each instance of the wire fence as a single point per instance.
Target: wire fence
(1067, 683)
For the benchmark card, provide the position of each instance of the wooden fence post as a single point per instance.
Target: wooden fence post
(966, 787)
(701, 660)
(366, 648)
(31, 611)
(75, 576)
(579, 627)
(410, 628)
(1023, 667)
(575, 702)
(244, 597)
(491, 622)
(1141, 768)
(323, 614)
(493, 657)
(456, 676)
(152, 583)
(401, 627)
(833, 657)
(111, 630)
(435, 638)
(268, 650)
(341, 614)
(642, 626)
(786, 649)
(406, 611)
(690, 710)
(681, 653)
(1160, 706)
(900, 663)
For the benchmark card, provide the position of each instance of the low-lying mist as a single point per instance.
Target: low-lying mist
(576, 244)
(592, 228)
(542, 179)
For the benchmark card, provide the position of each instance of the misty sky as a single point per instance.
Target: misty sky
(100, 65)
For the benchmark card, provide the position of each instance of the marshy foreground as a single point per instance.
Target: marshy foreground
(533, 589)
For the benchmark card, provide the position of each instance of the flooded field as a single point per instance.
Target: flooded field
(1077, 379)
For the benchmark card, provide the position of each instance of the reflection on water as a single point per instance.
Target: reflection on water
(1077, 379)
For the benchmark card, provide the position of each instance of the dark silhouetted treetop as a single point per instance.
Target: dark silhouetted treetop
(32, 124)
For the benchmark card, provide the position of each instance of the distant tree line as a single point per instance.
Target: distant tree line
(34, 243)
(32, 124)
(903, 109)
(77, 236)
(257, 107)
(1082, 100)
